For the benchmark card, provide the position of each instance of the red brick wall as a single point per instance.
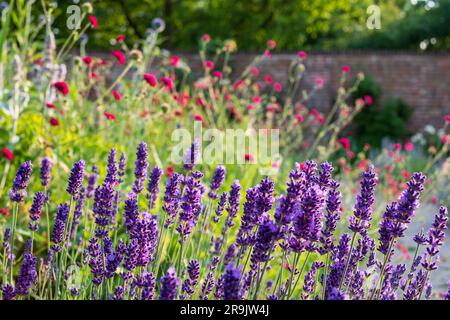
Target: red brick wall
(422, 80)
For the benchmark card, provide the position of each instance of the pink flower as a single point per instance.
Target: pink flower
(206, 38)
(94, 21)
(119, 55)
(120, 38)
(249, 157)
(150, 79)
(7, 154)
(368, 100)
(209, 64)
(434, 200)
(271, 44)
(445, 139)
(175, 61)
(302, 55)
(116, 95)
(54, 122)
(87, 61)
(277, 86)
(198, 117)
(254, 71)
(299, 118)
(201, 102)
(62, 87)
(218, 74)
(447, 118)
(109, 116)
(168, 83)
(397, 146)
(345, 143)
(267, 54)
(256, 99)
(319, 82)
(345, 69)
(360, 102)
(268, 79)
(409, 147)
(250, 107)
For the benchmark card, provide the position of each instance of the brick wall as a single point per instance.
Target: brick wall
(422, 80)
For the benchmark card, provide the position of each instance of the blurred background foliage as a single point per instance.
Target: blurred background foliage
(294, 24)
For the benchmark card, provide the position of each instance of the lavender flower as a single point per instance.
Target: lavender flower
(436, 237)
(8, 292)
(60, 223)
(307, 220)
(20, 183)
(169, 285)
(285, 208)
(192, 156)
(76, 178)
(46, 168)
(78, 211)
(36, 209)
(153, 186)
(232, 283)
(103, 207)
(96, 261)
(140, 170)
(190, 207)
(207, 286)
(92, 182)
(220, 207)
(233, 203)
(265, 237)
(333, 204)
(217, 181)
(122, 166)
(147, 283)
(27, 275)
(362, 214)
(112, 171)
(172, 199)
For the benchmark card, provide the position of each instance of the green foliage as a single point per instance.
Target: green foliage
(387, 121)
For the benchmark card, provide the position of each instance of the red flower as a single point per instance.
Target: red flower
(62, 87)
(445, 139)
(249, 157)
(119, 55)
(54, 122)
(368, 100)
(271, 44)
(254, 71)
(169, 171)
(256, 99)
(268, 79)
(174, 61)
(116, 95)
(319, 82)
(94, 21)
(345, 143)
(201, 102)
(87, 61)
(299, 118)
(397, 146)
(168, 83)
(109, 116)
(434, 200)
(209, 64)
(218, 74)
(93, 75)
(206, 38)
(5, 212)
(302, 55)
(345, 69)
(7, 154)
(150, 79)
(198, 117)
(250, 107)
(50, 105)
(277, 86)
(409, 147)
(120, 38)
(406, 174)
